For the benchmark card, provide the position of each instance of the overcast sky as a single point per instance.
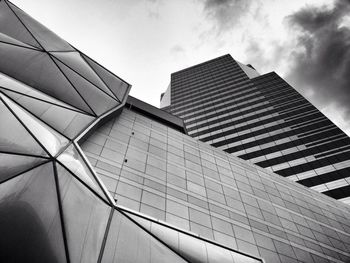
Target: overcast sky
(143, 41)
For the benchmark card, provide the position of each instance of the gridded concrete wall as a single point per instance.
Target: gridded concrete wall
(170, 176)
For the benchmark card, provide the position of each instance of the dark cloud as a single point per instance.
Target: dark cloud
(227, 13)
(321, 60)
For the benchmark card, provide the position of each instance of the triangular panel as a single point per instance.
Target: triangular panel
(192, 248)
(11, 26)
(68, 122)
(13, 164)
(127, 242)
(72, 160)
(116, 85)
(78, 125)
(30, 224)
(85, 217)
(99, 101)
(38, 70)
(47, 39)
(11, 41)
(74, 61)
(49, 138)
(14, 85)
(10, 132)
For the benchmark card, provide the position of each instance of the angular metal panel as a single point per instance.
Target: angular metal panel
(30, 223)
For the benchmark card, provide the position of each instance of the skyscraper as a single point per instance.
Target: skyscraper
(90, 174)
(261, 118)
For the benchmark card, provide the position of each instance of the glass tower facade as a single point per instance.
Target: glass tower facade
(169, 178)
(90, 174)
(261, 118)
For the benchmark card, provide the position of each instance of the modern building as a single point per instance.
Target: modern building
(90, 174)
(261, 118)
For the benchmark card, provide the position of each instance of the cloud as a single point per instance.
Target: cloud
(152, 7)
(177, 49)
(178, 52)
(264, 55)
(153, 14)
(227, 13)
(321, 59)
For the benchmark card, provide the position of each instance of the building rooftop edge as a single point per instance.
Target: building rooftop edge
(199, 64)
(156, 113)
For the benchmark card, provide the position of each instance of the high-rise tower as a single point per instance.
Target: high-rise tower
(263, 119)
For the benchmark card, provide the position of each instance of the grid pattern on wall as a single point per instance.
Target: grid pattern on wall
(171, 177)
(264, 120)
(53, 206)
